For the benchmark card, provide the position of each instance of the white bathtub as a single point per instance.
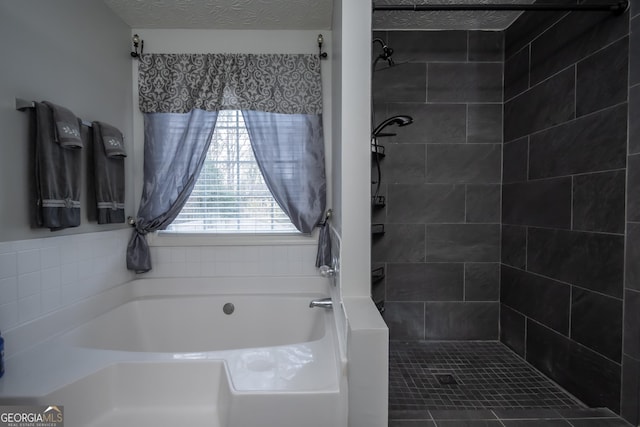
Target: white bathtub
(184, 324)
(163, 350)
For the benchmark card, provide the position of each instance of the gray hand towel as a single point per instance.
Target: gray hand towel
(66, 126)
(108, 161)
(57, 176)
(113, 140)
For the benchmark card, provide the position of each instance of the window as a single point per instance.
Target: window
(230, 195)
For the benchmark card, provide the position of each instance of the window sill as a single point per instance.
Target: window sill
(169, 238)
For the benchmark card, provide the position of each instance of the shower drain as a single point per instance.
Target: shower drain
(446, 379)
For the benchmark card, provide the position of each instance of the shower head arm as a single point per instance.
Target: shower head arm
(398, 120)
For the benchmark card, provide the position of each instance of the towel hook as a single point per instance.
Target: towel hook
(326, 218)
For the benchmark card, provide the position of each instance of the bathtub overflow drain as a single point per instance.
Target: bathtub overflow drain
(228, 308)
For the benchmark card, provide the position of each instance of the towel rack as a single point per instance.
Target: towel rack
(23, 104)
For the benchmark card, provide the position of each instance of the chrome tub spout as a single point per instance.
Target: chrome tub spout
(324, 303)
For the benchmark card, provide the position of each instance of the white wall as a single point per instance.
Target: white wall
(354, 143)
(71, 52)
(366, 333)
(74, 53)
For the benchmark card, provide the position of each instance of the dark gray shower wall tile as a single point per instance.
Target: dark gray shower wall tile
(463, 163)
(484, 123)
(378, 286)
(589, 260)
(400, 243)
(634, 52)
(543, 203)
(425, 282)
(630, 404)
(482, 203)
(404, 163)
(527, 27)
(544, 105)
(512, 329)
(633, 193)
(590, 377)
(632, 253)
(542, 299)
(425, 203)
(406, 83)
(632, 323)
(481, 281)
(598, 202)
(514, 246)
(405, 320)
(516, 74)
(635, 8)
(573, 38)
(601, 79)
(464, 82)
(461, 320)
(634, 123)
(515, 158)
(596, 322)
(426, 46)
(432, 123)
(597, 142)
(486, 45)
(463, 243)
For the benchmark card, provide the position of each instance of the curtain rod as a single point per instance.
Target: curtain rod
(23, 105)
(617, 8)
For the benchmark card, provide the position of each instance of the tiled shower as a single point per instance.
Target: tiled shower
(505, 212)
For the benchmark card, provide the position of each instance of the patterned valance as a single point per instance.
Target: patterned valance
(179, 83)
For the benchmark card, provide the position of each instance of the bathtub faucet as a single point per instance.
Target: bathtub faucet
(324, 303)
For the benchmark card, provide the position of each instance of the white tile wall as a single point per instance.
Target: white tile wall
(38, 276)
(245, 260)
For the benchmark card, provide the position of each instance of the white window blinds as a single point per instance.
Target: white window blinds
(230, 195)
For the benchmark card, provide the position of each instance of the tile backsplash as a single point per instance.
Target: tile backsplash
(226, 261)
(38, 276)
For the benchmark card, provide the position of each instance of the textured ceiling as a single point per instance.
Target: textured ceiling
(298, 15)
(225, 14)
(444, 20)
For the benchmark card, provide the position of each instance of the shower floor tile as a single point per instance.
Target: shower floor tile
(471, 375)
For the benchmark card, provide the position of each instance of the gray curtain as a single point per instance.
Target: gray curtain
(281, 100)
(289, 150)
(175, 147)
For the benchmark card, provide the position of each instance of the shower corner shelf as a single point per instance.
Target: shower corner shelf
(378, 201)
(377, 150)
(379, 305)
(377, 229)
(377, 274)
